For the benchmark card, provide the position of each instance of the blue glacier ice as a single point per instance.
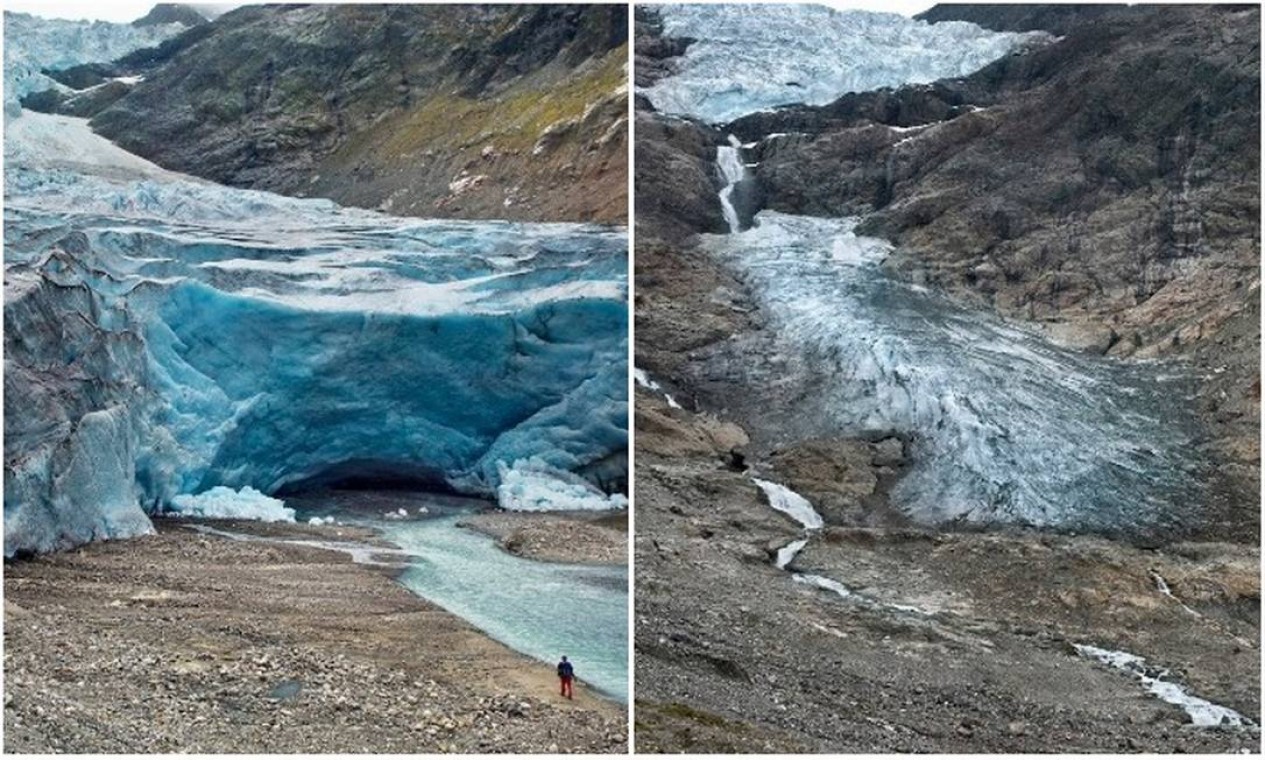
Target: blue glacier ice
(245, 503)
(754, 57)
(33, 43)
(1007, 428)
(166, 336)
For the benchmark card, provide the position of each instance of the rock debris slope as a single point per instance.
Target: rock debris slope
(915, 632)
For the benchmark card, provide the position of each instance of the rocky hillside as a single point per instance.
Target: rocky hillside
(940, 640)
(1104, 187)
(514, 112)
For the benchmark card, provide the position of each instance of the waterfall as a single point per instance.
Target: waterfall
(729, 159)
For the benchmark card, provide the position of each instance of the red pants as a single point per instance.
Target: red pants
(566, 686)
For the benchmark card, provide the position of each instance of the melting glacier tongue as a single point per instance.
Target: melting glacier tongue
(1007, 428)
(748, 58)
(165, 336)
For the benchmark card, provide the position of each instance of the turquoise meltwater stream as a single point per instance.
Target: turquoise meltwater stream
(542, 609)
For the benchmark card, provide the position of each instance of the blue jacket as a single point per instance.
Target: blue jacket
(565, 670)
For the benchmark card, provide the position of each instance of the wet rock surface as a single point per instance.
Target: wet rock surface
(180, 642)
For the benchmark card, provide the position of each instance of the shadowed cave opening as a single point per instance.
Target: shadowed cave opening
(371, 475)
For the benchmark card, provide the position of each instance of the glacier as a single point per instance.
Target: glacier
(748, 58)
(165, 336)
(1006, 427)
(33, 44)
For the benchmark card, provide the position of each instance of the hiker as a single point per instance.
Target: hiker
(565, 674)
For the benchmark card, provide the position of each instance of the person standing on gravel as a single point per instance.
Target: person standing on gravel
(566, 674)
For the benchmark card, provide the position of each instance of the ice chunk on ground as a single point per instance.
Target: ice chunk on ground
(224, 502)
(790, 503)
(533, 486)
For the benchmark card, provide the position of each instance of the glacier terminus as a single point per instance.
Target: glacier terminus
(166, 336)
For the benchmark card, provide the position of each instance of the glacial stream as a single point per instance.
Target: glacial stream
(542, 609)
(1158, 681)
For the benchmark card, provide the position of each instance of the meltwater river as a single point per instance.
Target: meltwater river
(542, 609)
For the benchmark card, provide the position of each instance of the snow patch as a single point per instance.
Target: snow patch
(823, 583)
(787, 553)
(643, 379)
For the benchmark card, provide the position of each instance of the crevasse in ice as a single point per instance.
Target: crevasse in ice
(165, 336)
(747, 58)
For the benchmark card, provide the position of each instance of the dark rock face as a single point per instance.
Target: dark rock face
(1020, 17)
(84, 105)
(676, 181)
(905, 107)
(465, 111)
(171, 13)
